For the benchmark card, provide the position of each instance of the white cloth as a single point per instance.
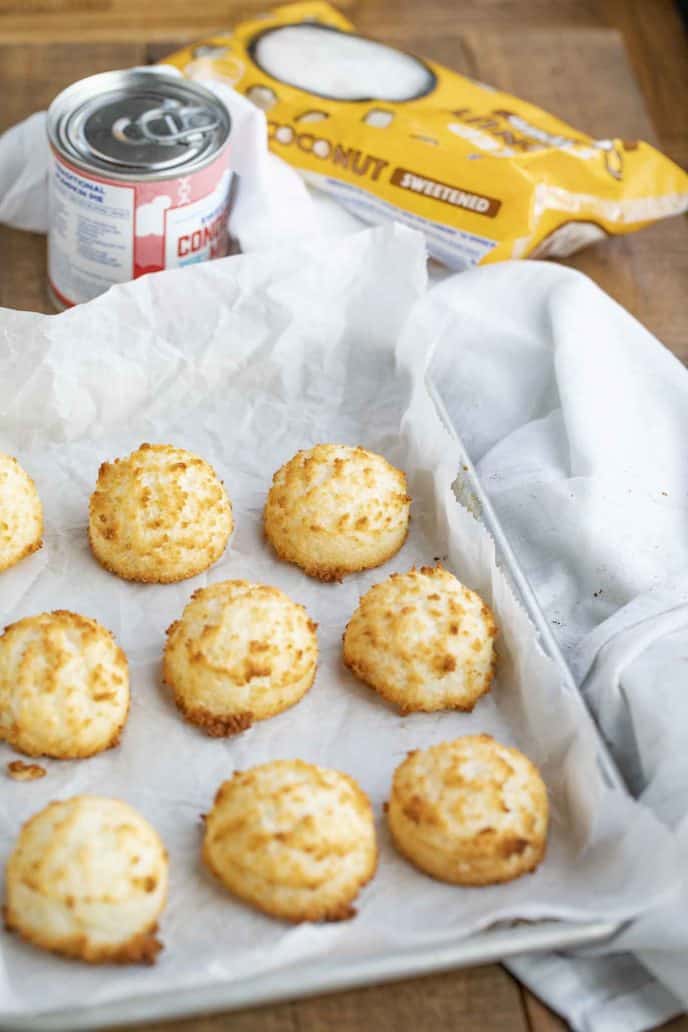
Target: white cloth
(577, 419)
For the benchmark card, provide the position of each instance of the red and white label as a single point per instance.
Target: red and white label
(105, 231)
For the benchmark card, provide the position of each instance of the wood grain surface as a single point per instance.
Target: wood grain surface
(610, 67)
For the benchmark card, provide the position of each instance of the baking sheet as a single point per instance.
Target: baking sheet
(245, 361)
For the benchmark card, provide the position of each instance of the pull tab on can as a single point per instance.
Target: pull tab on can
(169, 123)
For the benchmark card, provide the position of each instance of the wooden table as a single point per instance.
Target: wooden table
(611, 67)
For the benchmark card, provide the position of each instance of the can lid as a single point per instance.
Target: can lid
(140, 121)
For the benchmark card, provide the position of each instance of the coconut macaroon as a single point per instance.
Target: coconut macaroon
(334, 510)
(161, 514)
(423, 641)
(471, 811)
(240, 652)
(64, 686)
(295, 840)
(88, 878)
(21, 513)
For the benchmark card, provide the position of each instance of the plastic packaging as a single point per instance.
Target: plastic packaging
(484, 175)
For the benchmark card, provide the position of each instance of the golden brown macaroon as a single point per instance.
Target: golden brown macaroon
(295, 840)
(240, 652)
(64, 686)
(471, 811)
(159, 515)
(334, 510)
(21, 513)
(423, 641)
(88, 879)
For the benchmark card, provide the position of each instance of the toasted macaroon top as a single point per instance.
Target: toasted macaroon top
(160, 510)
(243, 633)
(333, 489)
(423, 640)
(296, 825)
(64, 685)
(471, 791)
(87, 868)
(21, 513)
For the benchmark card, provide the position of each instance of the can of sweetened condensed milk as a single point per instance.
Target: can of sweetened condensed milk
(139, 180)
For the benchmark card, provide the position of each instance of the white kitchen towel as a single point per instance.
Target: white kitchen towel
(577, 419)
(636, 684)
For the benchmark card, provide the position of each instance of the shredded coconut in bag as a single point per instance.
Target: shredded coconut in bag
(484, 175)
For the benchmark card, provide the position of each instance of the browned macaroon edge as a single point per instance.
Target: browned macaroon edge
(141, 948)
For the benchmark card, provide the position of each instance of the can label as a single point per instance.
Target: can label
(105, 231)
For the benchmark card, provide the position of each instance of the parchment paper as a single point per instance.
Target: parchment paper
(244, 361)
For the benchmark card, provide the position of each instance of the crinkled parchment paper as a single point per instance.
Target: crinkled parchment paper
(244, 361)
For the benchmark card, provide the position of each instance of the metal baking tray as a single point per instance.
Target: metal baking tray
(331, 975)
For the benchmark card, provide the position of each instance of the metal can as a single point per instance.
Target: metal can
(139, 180)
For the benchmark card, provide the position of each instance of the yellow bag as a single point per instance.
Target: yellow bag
(484, 175)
